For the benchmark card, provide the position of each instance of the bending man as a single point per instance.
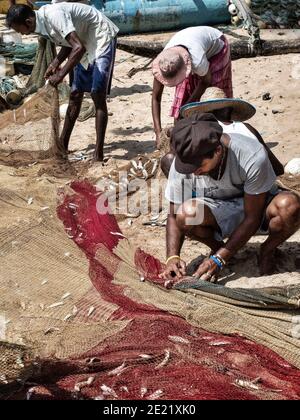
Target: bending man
(88, 41)
(193, 60)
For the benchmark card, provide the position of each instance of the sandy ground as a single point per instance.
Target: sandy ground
(130, 134)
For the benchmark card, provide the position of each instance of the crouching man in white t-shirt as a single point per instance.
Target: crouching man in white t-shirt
(222, 187)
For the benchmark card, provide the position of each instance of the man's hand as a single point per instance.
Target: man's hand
(50, 71)
(160, 137)
(175, 270)
(56, 79)
(207, 271)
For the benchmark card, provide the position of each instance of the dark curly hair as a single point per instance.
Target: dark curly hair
(18, 14)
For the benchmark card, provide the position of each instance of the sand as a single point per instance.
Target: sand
(130, 133)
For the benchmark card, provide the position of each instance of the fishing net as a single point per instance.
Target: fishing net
(44, 317)
(85, 316)
(44, 56)
(36, 141)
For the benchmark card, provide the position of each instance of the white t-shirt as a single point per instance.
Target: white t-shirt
(202, 42)
(94, 29)
(248, 170)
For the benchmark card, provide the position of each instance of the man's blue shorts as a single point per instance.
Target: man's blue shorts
(98, 76)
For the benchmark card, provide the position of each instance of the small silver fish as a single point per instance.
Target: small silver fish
(177, 339)
(165, 361)
(108, 391)
(118, 370)
(55, 305)
(156, 395)
(79, 385)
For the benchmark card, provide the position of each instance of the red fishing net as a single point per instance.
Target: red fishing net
(156, 355)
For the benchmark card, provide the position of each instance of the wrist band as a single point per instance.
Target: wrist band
(221, 259)
(172, 258)
(217, 261)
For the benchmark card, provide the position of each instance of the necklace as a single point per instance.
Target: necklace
(221, 164)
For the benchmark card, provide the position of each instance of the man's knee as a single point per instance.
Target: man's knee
(99, 99)
(166, 163)
(74, 106)
(189, 215)
(76, 97)
(286, 210)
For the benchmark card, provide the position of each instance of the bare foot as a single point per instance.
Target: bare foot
(101, 159)
(98, 157)
(267, 263)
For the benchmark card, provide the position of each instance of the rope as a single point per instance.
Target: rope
(250, 24)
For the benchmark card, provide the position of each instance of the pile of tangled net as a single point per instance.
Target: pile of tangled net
(126, 336)
(6, 85)
(19, 53)
(39, 55)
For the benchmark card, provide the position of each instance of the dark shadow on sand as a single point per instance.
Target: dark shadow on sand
(127, 91)
(288, 254)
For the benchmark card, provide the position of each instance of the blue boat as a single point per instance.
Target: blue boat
(137, 16)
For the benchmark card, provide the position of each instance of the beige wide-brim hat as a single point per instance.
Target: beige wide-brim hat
(172, 66)
(214, 99)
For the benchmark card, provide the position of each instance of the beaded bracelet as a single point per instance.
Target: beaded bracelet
(221, 259)
(217, 261)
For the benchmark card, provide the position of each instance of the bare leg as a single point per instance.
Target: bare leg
(204, 231)
(205, 235)
(284, 220)
(99, 99)
(73, 111)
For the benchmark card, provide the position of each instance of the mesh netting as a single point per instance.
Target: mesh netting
(15, 363)
(45, 54)
(124, 338)
(31, 132)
